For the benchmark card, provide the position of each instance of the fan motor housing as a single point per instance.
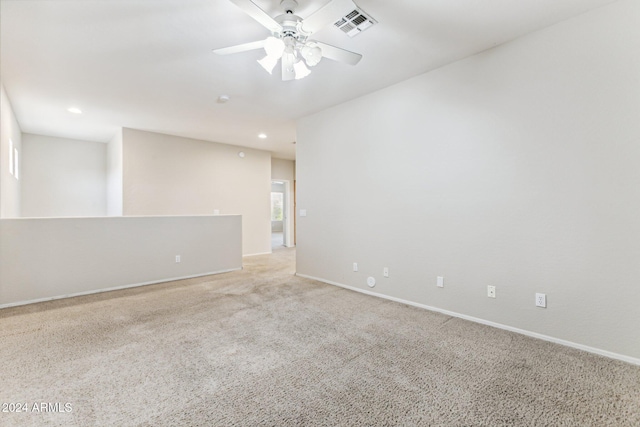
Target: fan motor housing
(290, 27)
(289, 6)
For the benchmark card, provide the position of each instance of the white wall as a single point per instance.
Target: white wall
(9, 185)
(46, 258)
(114, 175)
(283, 169)
(518, 168)
(170, 175)
(63, 177)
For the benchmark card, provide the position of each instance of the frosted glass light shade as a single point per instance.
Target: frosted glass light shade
(268, 63)
(311, 53)
(301, 70)
(274, 47)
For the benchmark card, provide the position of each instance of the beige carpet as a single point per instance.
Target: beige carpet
(263, 347)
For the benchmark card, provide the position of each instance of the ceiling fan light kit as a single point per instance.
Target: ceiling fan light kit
(301, 71)
(289, 42)
(268, 63)
(274, 47)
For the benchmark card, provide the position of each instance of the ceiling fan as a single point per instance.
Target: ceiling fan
(290, 41)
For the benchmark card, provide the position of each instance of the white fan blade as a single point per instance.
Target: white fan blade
(251, 9)
(328, 14)
(288, 72)
(338, 54)
(240, 48)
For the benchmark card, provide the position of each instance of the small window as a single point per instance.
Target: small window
(276, 206)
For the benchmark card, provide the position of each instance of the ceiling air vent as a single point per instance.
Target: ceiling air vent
(355, 22)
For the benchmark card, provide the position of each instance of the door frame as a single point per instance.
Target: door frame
(288, 213)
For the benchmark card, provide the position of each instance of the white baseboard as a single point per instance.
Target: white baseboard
(260, 253)
(97, 291)
(600, 352)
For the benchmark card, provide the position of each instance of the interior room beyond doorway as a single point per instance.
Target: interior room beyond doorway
(278, 214)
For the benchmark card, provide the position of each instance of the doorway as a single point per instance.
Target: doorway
(280, 216)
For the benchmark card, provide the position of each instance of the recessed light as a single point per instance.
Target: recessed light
(74, 110)
(262, 136)
(241, 154)
(222, 99)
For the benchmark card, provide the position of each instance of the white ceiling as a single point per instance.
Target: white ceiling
(147, 64)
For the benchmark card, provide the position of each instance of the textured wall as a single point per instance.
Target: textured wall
(169, 175)
(63, 177)
(9, 185)
(283, 169)
(114, 175)
(51, 257)
(517, 168)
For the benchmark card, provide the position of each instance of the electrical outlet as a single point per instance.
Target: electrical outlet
(541, 300)
(491, 291)
(385, 272)
(177, 258)
(355, 266)
(440, 282)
